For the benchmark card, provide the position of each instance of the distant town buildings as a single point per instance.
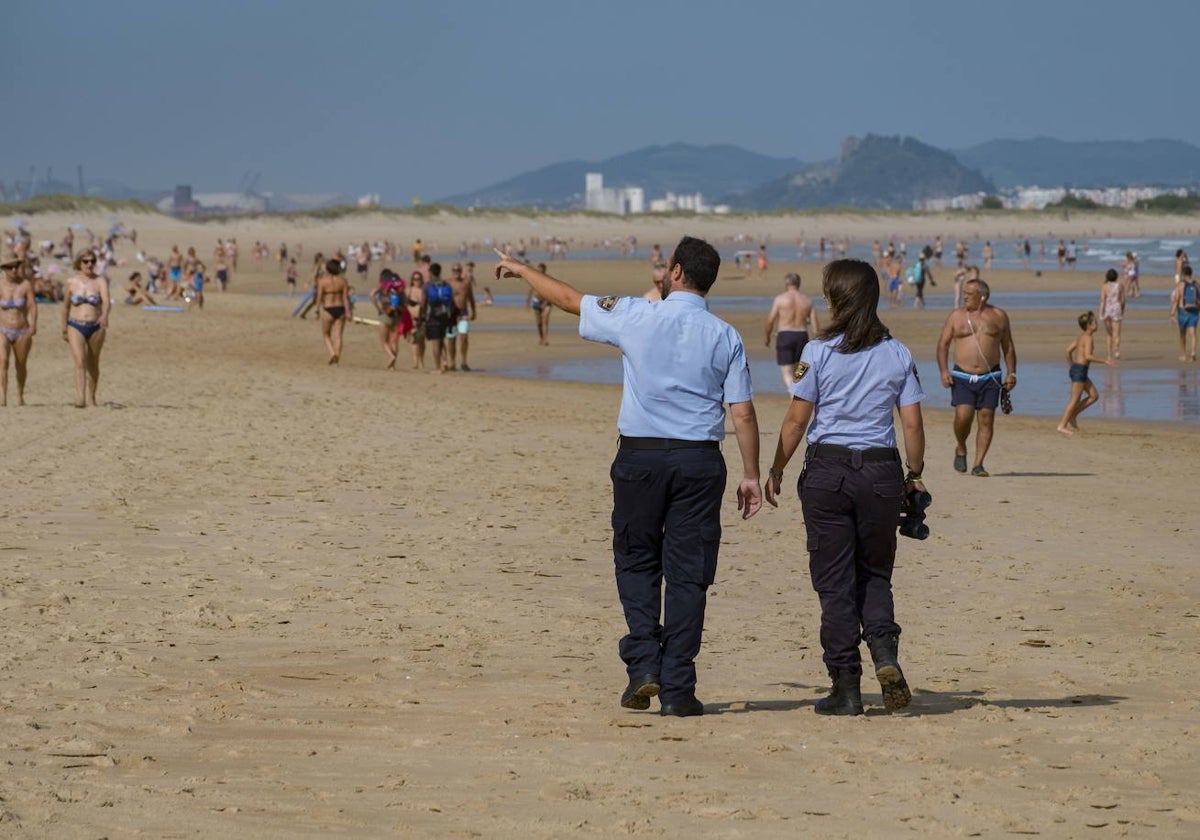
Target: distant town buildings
(1036, 198)
(627, 200)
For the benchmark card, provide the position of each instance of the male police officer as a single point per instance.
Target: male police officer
(681, 365)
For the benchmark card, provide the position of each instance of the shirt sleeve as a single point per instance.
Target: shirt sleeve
(601, 318)
(911, 390)
(738, 387)
(804, 378)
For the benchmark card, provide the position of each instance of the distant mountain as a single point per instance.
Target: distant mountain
(871, 172)
(1046, 162)
(678, 168)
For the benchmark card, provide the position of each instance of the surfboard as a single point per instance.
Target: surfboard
(307, 299)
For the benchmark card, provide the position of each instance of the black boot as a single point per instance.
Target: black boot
(884, 648)
(845, 698)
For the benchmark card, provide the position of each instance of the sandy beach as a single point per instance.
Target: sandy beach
(252, 595)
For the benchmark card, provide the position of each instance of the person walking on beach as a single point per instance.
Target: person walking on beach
(333, 296)
(844, 390)
(541, 310)
(682, 365)
(415, 298)
(981, 335)
(795, 318)
(920, 276)
(1112, 310)
(318, 269)
(84, 325)
(1079, 356)
(438, 314)
(1132, 272)
(1185, 309)
(18, 324)
(464, 307)
(1181, 259)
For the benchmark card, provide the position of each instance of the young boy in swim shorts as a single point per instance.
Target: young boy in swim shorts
(1079, 357)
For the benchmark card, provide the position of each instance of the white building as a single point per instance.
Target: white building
(604, 199)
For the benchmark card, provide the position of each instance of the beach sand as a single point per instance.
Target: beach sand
(256, 596)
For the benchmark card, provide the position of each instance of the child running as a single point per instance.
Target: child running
(1079, 356)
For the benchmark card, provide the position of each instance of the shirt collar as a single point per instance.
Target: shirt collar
(687, 298)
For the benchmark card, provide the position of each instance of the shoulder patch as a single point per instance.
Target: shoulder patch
(801, 369)
(607, 303)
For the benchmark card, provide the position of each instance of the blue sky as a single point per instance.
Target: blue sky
(417, 98)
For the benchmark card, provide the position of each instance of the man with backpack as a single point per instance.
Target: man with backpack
(439, 315)
(1185, 307)
(918, 276)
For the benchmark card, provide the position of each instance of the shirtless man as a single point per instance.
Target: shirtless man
(792, 313)
(175, 270)
(982, 335)
(654, 293)
(458, 343)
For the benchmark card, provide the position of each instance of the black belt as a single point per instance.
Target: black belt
(666, 443)
(832, 450)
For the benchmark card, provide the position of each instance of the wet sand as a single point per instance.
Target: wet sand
(256, 596)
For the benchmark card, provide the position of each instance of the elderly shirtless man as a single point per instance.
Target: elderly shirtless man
(981, 335)
(793, 315)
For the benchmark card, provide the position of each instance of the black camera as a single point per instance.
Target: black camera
(912, 514)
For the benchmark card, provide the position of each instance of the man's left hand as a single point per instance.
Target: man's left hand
(749, 496)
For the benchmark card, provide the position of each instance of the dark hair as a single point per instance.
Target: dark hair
(435, 269)
(333, 267)
(852, 289)
(1187, 271)
(1086, 318)
(1110, 276)
(699, 261)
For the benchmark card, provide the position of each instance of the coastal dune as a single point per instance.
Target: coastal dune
(257, 596)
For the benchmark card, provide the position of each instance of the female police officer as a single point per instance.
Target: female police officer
(851, 487)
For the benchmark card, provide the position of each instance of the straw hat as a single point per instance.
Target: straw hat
(12, 261)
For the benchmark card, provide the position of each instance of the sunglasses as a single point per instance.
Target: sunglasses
(87, 262)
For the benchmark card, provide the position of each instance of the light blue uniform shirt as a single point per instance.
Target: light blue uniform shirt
(854, 393)
(681, 363)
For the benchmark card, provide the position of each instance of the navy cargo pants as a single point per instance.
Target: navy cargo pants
(851, 512)
(666, 524)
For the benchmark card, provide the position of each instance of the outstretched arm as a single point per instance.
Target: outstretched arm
(561, 294)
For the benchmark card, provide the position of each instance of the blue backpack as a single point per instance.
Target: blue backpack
(1191, 297)
(441, 301)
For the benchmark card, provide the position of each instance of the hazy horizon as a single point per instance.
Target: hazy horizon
(431, 99)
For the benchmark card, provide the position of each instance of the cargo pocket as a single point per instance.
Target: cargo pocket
(891, 490)
(821, 481)
(710, 540)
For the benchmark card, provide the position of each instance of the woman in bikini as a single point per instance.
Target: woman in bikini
(333, 296)
(415, 300)
(18, 324)
(84, 324)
